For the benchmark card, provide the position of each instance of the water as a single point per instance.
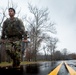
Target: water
(42, 68)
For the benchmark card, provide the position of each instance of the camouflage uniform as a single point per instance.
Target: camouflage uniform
(13, 30)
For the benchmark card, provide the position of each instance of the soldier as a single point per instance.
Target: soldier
(13, 30)
(12, 27)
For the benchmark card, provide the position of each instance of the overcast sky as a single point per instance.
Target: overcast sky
(62, 12)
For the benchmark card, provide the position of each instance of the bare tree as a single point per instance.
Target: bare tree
(65, 53)
(3, 16)
(51, 44)
(45, 51)
(38, 25)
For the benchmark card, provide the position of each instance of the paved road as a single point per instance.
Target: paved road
(63, 70)
(43, 68)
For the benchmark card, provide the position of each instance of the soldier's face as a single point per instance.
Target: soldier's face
(11, 13)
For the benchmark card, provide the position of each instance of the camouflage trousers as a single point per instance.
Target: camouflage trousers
(13, 49)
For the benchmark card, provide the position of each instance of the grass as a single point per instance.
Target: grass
(26, 62)
(2, 64)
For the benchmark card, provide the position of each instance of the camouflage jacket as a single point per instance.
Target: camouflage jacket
(13, 28)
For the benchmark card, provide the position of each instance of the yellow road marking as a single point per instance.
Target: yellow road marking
(56, 70)
(71, 71)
